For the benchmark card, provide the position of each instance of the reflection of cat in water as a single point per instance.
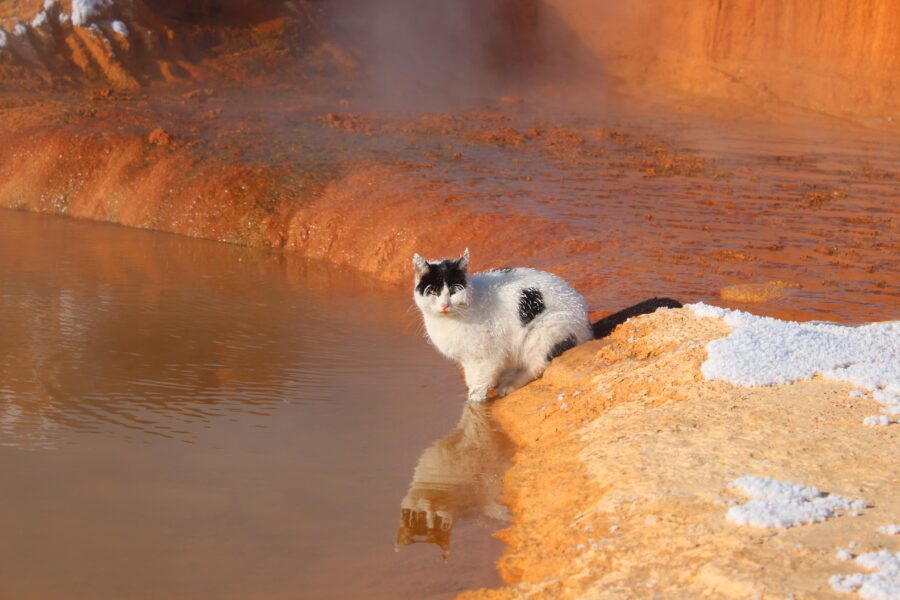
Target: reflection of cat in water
(458, 477)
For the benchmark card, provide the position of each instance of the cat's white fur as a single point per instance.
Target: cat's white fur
(479, 326)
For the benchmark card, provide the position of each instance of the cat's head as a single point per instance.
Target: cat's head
(441, 286)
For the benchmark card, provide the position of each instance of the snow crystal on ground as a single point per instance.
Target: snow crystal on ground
(889, 400)
(84, 10)
(19, 29)
(767, 351)
(882, 584)
(877, 420)
(39, 19)
(119, 27)
(889, 529)
(2, 39)
(702, 309)
(783, 504)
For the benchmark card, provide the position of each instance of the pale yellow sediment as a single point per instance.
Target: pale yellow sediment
(620, 483)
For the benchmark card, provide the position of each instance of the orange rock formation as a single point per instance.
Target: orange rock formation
(619, 486)
(838, 57)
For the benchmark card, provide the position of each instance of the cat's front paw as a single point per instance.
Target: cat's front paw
(512, 386)
(477, 396)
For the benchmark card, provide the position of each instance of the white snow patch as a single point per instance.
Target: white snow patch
(701, 309)
(891, 529)
(857, 394)
(19, 29)
(876, 421)
(843, 554)
(782, 504)
(120, 28)
(39, 19)
(889, 400)
(2, 39)
(63, 18)
(48, 4)
(84, 10)
(882, 584)
(767, 351)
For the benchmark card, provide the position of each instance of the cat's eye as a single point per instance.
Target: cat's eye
(430, 291)
(456, 287)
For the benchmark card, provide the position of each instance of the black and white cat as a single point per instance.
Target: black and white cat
(503, 326)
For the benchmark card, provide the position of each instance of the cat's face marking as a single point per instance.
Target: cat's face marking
(441, 286)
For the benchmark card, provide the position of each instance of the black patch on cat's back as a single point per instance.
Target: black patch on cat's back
(446, 272)
(561, 346)
(501, 270)
(531, 304)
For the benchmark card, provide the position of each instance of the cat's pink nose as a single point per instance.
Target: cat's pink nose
(445, 307)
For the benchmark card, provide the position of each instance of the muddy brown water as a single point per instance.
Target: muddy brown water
(183, 419)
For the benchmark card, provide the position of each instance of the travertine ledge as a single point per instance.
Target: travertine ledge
(620, 485)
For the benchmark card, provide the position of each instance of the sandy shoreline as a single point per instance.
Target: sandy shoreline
(620, 482)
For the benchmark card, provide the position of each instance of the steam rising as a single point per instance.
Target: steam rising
(415, 52)
(441, 54)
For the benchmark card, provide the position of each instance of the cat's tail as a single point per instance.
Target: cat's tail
(606, 325)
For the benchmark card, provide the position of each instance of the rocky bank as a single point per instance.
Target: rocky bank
(620, 485)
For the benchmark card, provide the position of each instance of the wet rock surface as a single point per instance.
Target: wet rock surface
(624, 216)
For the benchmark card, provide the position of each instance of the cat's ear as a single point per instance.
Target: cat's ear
(463, 261)
(420, 265)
